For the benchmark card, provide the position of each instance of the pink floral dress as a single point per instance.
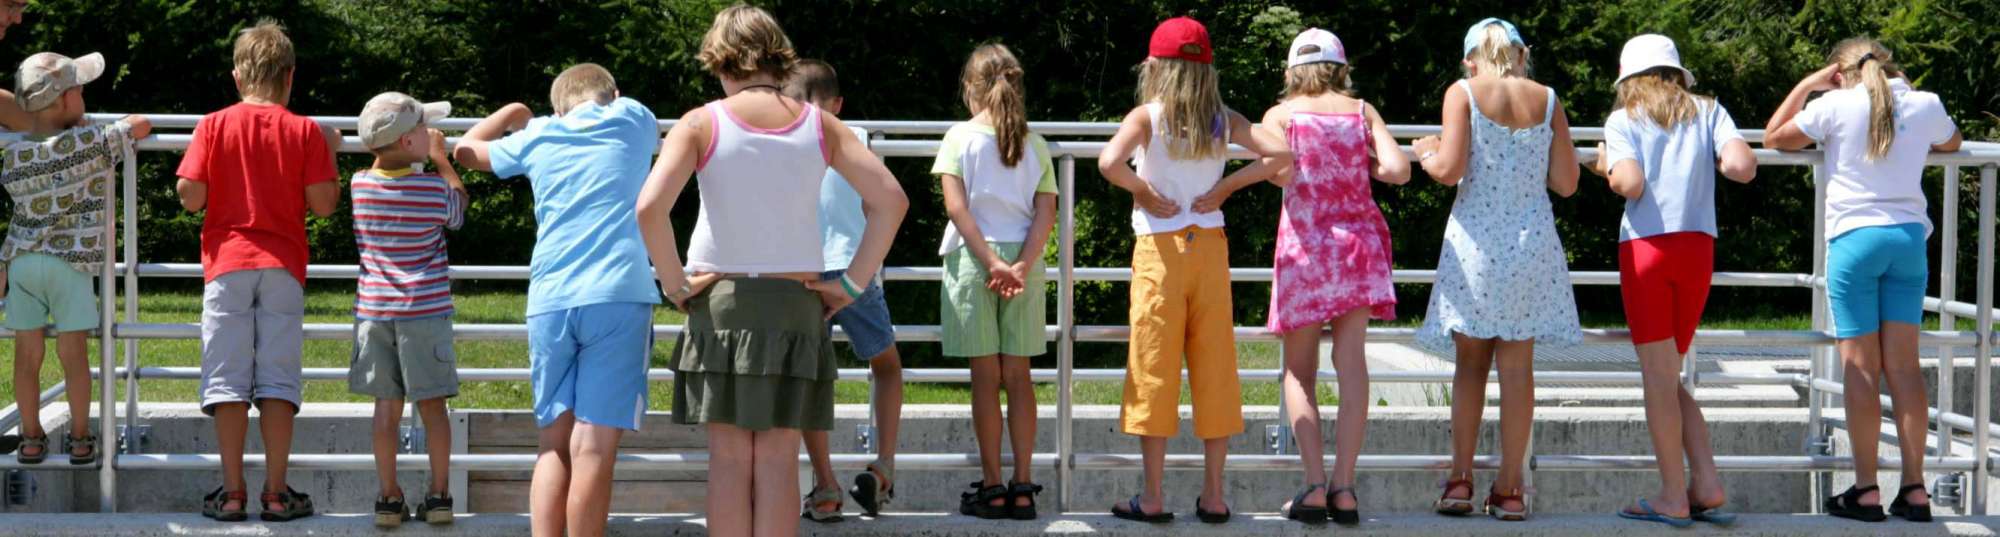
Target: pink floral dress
(1333, 246)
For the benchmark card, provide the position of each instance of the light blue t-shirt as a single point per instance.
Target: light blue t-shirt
(1680, 169)
(586, 168)
(841, 221)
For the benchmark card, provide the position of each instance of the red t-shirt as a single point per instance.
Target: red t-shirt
(256, 160)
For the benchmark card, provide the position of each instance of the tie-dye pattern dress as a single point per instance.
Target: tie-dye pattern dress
(1333, 245)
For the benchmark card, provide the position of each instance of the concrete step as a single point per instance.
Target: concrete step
(1412, 525)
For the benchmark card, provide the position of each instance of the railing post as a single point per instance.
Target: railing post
(1066, 337)
(1982, 372)
(131, 259)
(107, 348)
(1947, 292)
(1820, 362)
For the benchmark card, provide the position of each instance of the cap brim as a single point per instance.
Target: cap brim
(88, 67)
(1689, 75)
(436, 111)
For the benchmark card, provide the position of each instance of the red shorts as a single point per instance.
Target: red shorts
(1665, 280)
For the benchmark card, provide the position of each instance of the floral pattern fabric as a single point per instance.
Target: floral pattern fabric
(59, 186)
(1333, 245)
(1502, 272)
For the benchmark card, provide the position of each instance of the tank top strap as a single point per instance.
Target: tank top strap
(1549, 110)
(1469, 99)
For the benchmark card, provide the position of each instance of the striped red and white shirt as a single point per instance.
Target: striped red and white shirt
(399, 223)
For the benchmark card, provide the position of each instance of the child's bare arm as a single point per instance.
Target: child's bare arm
(442, 160)
(323, 198)
(957, 208)
(194, 194)
(1391, 164)
(11, 115)
(140, 126)
(1114, 163)
(1443, 157)
(882, 198)
(472, 148)
(678, 154)
(1038, 233)
(1563, 170)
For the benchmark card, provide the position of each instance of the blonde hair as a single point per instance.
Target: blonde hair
(745, 41)
(264, 59)
(580, 83)
(1190, 107)
(991, 82)
(1318, 78)
(1661, 95)
(1499, 54)
(1866, 60)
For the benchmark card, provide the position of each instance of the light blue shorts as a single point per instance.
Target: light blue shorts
(1874, 275)
(866, 321)
(44, 288)
(591, 360)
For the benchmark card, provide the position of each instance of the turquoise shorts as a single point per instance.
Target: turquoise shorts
(591, 361)
(42, 288)
(1874, 275)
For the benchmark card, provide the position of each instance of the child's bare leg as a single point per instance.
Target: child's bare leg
(1301, 392)
(388, 429)
(232, 425)
(1862, 360)
(73, 350)
(1350, 360)
(1153, 454)
(730, 458)
(1517, 412)
(986, 417)
(274, 424)
(437, 440)
(1906, 388)
(593, 452)
(888, 370)
(776, 476)
(1705, 481)
(817, 448)
(1660, 370)
(1021, 417)
(548, 493)
(1214, 452)
(1468, 405)
(28, 355)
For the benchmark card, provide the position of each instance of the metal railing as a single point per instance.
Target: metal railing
(1820, 383)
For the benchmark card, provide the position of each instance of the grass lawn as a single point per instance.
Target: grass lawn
(332, 305)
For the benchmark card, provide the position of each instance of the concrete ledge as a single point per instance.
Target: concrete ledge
(1413, 525)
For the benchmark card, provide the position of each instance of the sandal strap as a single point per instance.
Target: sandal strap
(884, 467)
(1024, 488)
(820, 495)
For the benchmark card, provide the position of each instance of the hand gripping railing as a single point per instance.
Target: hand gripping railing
(1820, 383)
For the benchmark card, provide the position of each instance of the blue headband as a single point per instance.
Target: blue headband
(1477, 34)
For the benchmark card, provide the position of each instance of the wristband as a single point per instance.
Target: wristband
(846, 284)
(1427, 156)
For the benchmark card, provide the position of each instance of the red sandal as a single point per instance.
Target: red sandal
(1494, 501)
(1449, 506)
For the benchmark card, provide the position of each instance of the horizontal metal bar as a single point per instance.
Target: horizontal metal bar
(12, 415)
(1091, 333)
(660, 374)
(698, 461)
(57, 462)
(1106, 274)
(1960, 421)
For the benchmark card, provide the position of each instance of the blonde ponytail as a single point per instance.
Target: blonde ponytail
(1866, 60)
(991, 82)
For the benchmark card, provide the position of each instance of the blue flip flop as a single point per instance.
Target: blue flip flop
(1649, 515)
(1713, 515)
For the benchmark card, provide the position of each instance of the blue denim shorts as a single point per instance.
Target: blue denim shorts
(866, 322)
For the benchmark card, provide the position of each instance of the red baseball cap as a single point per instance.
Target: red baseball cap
(1181, 38)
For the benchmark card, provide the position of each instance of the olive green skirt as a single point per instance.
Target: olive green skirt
(756, 353)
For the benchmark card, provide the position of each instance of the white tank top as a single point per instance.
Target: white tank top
(759, 196)
(1179, 180)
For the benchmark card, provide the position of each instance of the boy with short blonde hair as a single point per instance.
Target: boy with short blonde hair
(254, 169)
(402, 302)
(591, 290)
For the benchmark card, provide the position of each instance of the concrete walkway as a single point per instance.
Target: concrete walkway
(1412, 525)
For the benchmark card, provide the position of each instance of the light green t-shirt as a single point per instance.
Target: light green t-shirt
(1001, 198)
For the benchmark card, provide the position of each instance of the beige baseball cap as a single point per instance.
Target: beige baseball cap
(44, 77)
(389, 116)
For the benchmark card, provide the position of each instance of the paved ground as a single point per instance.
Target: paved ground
(1411, 525)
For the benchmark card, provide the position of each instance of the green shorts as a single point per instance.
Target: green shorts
(409, 359)
(977, 322)
(41, 288)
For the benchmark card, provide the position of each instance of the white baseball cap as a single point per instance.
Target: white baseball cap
(1650, 51)
(1315, 46)
(389, 116)
(44, 77)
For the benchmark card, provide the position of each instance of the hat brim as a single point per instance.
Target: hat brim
(435, 111)
(1685, 73)
(88, 67)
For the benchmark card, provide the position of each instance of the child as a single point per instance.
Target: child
(1661, 152)
(1875, 131)
(755, 364)
(254, 169)
(402, 303)
(1332, 263)
(1178, 137)
(58, 177)
(1502, 283)
(866, 322)
(999, 187)
(590, 295)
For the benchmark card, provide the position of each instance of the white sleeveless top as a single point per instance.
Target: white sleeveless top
(759, 196)
(1179, 180)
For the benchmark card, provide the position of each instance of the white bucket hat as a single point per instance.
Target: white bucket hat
(1316, 46)
(1650, 51)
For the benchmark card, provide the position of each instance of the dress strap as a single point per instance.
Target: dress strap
(1549, 114)
(1469, 99)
